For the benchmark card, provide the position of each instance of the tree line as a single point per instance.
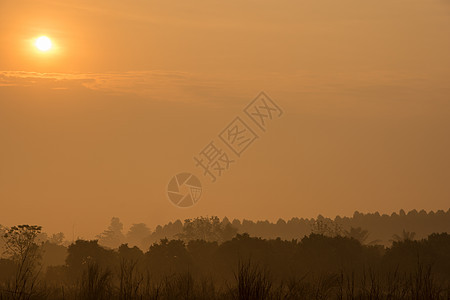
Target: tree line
(379, 228)
(210, 259)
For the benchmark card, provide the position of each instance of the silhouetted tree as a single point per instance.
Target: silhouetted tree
(81, 253)
(358, 234)
(405, 236)
(137, 236)
(53, 254)
(207, 229)
(327, 227)
(20, 244)
(167, 257)
(113, 236)
(57, 238)
(314, 267)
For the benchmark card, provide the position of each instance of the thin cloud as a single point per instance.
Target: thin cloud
(156, 85)
(221, 88)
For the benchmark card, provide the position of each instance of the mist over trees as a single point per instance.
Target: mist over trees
(113, 236)
(360, 257)
(370, 228)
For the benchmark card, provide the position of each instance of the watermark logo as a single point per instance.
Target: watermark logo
(184, 190)
(226, 149)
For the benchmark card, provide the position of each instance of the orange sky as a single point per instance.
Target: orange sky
(134, 89)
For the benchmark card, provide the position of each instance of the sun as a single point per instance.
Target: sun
(43, 43)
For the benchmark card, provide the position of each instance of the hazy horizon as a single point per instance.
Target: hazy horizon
(132, 91)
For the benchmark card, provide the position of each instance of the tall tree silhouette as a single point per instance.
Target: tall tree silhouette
(404, 236)
(113, 236)
(207, 229)
(20, 244)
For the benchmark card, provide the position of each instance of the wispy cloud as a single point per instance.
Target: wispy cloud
(159, 85)
(220, 87)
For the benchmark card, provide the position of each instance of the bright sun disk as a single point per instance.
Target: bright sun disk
(43, 43)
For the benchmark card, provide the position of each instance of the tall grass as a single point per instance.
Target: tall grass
(251, 281)
(130, 280)
(95, 283)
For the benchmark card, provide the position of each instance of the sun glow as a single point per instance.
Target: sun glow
(43, 43)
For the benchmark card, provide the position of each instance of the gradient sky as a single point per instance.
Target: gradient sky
(132, 90)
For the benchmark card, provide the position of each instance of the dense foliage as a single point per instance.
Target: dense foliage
(208, 259)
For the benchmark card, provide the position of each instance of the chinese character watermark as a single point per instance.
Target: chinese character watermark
(238, 136)
(214, 160)
(262, 110)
